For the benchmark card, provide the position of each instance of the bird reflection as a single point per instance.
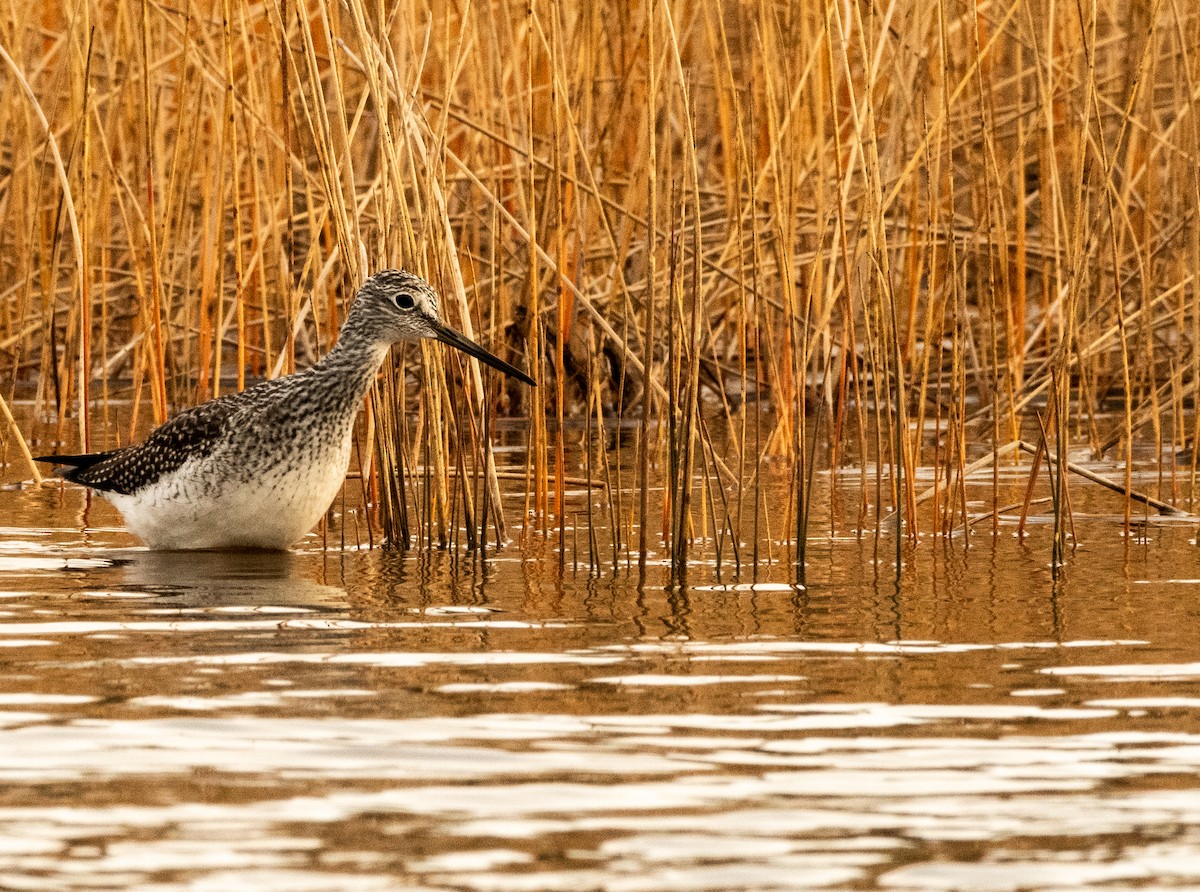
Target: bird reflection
(228, 578)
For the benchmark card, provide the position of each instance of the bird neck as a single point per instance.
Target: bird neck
(354, 362)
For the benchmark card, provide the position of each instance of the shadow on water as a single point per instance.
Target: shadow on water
(379, 720)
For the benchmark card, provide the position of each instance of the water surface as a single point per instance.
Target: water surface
(368, 720)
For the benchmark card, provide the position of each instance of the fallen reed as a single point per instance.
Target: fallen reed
(744, 240)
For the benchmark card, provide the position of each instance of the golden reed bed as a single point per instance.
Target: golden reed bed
(887, 235)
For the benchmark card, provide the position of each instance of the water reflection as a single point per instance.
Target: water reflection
(373, 720)
(213, 579)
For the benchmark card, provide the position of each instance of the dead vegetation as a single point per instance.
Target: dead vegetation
(868, 236)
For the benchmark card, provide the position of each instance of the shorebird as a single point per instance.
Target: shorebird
(258, 469)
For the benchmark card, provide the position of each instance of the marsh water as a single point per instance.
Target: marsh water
(375, 720)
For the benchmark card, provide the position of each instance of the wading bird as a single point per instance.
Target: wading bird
(258, 469)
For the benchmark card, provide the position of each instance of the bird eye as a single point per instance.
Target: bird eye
(405, 301)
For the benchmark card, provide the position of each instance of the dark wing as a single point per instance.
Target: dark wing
(195, 432)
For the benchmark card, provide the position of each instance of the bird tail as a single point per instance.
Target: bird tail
(73, 464)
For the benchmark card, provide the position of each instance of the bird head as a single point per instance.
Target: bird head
(395, 305)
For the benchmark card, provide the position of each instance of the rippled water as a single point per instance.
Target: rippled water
(369, 720)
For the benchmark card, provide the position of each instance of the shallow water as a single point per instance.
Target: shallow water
(372, 720)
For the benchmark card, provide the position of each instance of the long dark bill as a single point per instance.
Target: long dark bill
(448, 335)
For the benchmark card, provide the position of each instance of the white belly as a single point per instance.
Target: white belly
(271, 510)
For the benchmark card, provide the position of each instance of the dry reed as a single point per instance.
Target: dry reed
(756, 235)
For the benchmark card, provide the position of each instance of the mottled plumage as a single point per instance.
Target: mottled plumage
(257, 469)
